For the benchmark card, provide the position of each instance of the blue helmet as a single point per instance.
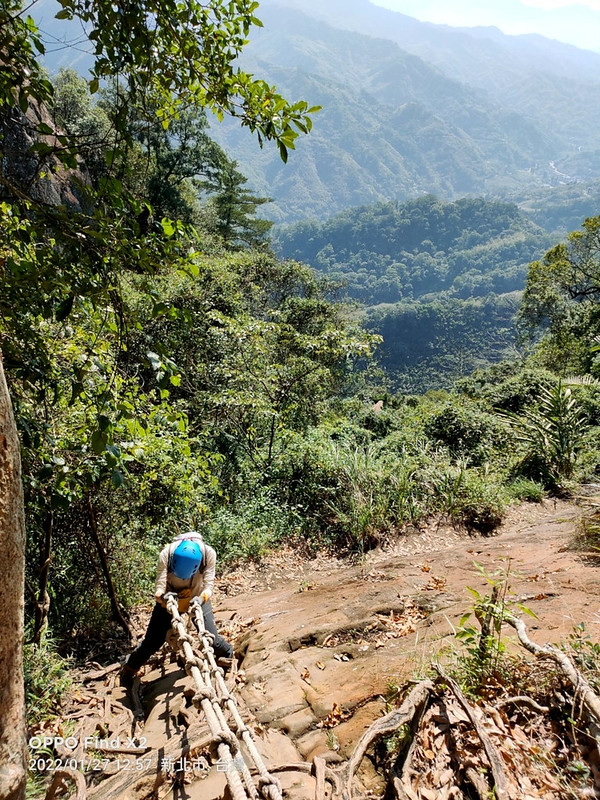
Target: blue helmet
(186, 560)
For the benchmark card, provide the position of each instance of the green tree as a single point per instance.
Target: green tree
(235, 207)
(171, 53)
(172, 170)
(55, 259)
(561, 299)
(259, 350)
(87, 123)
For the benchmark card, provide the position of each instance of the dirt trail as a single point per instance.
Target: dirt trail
(321, 643)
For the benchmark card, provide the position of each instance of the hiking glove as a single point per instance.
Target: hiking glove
(183, 599)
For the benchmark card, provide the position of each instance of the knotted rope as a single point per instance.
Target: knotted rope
(213, 697)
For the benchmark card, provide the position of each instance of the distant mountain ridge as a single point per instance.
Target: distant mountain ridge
(409, 108)
(395, 126)
(454, 50)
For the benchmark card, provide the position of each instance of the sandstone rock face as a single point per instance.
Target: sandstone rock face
(317, 666)
(27, 174)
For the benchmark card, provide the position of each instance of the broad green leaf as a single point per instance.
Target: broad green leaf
(117, 478)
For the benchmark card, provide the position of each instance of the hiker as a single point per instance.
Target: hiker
(187, 568)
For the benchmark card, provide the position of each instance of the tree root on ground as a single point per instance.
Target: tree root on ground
(581, 686)
(410, 709)
(449, 747)
(500, 780)
(61, 776)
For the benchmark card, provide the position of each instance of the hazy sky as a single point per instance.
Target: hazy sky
(575, 22)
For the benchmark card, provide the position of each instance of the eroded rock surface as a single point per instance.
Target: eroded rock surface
(323, 645)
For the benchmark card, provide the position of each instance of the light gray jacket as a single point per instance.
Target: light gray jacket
(202, 580)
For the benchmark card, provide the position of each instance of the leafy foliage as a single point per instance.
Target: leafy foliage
(562, 295)
(485, 657)
(46, 681)
(175, 55)
(391, 251)
(552, 433)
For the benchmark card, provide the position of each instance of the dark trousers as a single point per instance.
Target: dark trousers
(157, 630)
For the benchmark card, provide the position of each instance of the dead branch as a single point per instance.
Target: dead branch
(582, 688)
(42, 603)
(174, 749)
(403, 791)
(128, 751)
(478, 782)
(385, 726)
(494, 758)
(318, 768)
(117, 613)
(99, 673)
(319, 765)
(523, 700)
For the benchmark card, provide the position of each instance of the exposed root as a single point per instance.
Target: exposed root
(582, 688)
(410, 709)
(60, 779)
(450, 748)
(497, 765)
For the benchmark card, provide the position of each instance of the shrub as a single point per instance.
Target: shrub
(47, 680)
(467, 432)
(526, 489)
(505, 386)
(552, 435)
(470, 497)
(251, 528)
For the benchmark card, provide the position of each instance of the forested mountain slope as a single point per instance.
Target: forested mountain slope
(440, 281)
(394, 251)
(408, 107)
(466, 114)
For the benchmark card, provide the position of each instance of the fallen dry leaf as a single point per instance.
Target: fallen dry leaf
(335, 716)
(435, 584)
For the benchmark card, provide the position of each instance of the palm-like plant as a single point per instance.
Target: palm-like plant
(552, 432)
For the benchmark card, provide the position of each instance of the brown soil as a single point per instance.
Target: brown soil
(322, 643)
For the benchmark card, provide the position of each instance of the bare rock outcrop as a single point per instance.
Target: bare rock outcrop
(30, 166)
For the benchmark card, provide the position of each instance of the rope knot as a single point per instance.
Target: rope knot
(228, 737)
(270, 787)
(203, 693)
(191, 663)
(224, 699)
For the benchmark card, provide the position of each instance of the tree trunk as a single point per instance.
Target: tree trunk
(13, 756)
(117, 613)
(42, 604)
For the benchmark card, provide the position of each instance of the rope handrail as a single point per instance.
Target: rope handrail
(214, 698)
